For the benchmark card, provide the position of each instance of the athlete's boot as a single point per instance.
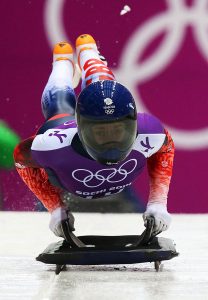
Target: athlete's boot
(85, 42)
(64, 51)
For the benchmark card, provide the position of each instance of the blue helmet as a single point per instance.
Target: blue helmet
(107, 121)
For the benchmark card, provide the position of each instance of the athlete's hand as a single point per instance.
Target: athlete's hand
(161, 216)
(59, 217)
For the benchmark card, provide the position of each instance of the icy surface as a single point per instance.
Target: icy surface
(25, 235)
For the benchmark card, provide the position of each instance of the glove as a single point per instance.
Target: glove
(61, 221)
(161, 216)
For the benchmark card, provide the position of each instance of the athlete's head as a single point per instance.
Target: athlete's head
(107, 121)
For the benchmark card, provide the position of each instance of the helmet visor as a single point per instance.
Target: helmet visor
(108, 141)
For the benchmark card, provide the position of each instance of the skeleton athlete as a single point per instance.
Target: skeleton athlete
(93, 145)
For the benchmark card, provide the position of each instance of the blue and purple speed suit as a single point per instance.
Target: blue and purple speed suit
(54, 160)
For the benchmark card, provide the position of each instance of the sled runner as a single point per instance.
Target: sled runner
(106, 250)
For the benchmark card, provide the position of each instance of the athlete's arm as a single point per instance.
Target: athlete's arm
(160, 167)
(36, 177)
(22, 154)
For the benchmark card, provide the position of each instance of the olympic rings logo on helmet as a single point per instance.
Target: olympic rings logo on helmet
(109, 111)
(89, 177)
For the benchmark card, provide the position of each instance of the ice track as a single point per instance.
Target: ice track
(24, 235)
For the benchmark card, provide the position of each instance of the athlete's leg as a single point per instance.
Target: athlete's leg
(58, 96)
(92, 66)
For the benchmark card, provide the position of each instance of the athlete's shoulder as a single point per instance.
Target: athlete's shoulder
(151, 134)
(55, 138)
(149, 124)
(71, 124)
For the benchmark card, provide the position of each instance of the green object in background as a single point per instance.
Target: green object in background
(8, 140)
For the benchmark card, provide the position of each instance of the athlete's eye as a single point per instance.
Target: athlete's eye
(119, 130)
(99, 133)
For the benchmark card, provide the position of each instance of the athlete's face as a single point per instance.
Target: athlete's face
(108, 133)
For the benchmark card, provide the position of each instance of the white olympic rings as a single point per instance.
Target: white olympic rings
(97, 179)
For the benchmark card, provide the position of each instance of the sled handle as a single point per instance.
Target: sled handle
(71, 238)
(147, 235)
